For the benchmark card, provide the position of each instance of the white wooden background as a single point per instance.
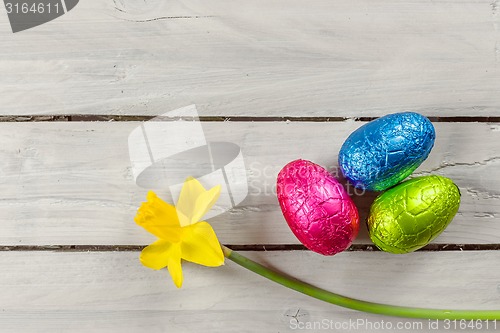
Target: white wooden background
(69, 183)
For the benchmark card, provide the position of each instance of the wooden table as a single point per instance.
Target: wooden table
(281, 79)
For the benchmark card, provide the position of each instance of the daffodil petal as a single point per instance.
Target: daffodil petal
(191, 190)
(183, 219)
(204, 202)
(159, 218)
(201, 246)
(158, 254)
(175, 268)
(194, 201)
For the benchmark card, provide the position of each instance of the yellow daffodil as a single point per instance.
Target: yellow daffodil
(181, 234)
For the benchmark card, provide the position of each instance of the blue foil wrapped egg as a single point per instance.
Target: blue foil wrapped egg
(385, 151)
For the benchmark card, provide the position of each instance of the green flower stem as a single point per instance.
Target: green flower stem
(355, 304)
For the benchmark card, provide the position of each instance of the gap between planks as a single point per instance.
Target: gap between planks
(243, 247)
(106, 118)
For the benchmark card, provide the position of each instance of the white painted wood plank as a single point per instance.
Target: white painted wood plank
(293, 58)
(71, 183)
(111, 291)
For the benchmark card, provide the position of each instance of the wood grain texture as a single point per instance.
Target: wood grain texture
(71, 183)
(112, 291)
(266, 58)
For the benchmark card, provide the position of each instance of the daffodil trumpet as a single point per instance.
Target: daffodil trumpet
(183, 236)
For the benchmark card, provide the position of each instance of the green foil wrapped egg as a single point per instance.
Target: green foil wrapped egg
(410, 215)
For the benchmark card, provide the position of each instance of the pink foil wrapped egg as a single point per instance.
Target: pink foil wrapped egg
(316, 207)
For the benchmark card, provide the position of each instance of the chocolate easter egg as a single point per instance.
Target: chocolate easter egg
(316, 207)
(385, 151)
(410, 215)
